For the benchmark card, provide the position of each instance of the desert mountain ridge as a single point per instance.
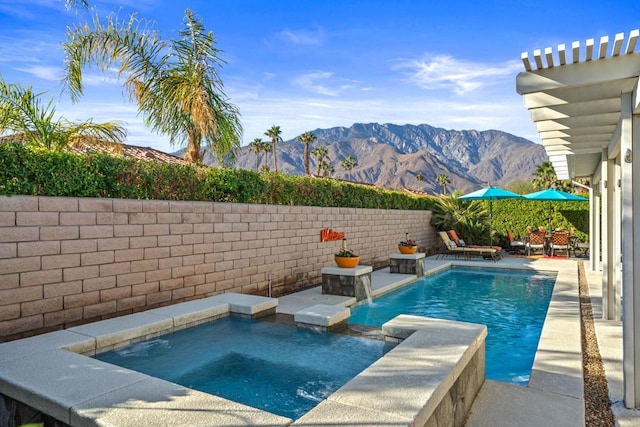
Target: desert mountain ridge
(391, 156)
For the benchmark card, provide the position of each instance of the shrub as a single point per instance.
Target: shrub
(30, 171)
(471, 220)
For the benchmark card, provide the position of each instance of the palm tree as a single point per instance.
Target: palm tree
(545, 176)
(175, 82)
(443, 180)
(307, 138)
(320, 153)
(22, 112)
(255, 147)
(326, 168)
(274, 133)
(349, 163)
(266, 148)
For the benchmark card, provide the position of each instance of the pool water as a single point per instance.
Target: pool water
(280, 369)
(511, 303)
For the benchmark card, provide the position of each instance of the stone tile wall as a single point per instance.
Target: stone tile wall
(68, 261)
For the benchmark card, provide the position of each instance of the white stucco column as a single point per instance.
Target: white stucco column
(616, 243)
(594, 228)
(631, 297)
(606, 231)
(596, 220)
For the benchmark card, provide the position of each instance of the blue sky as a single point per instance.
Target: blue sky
(308, 64)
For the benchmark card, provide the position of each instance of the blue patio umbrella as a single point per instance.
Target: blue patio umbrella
(490, 193)
(553, 195)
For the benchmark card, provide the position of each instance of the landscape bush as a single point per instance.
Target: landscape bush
(471, 219)
(32, 171)
(516, 215)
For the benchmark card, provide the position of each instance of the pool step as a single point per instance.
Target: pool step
(322, 316)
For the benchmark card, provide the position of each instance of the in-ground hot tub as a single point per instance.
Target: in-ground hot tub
(435, 363)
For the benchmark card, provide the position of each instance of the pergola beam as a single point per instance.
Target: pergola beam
(565, 95)
(582, 73)
(575, 49)
(567, 133)
(587, 141)
(617, 44)
(562, 54)
(633, 39)
(580, 121)
(604, 44)
(611, 105)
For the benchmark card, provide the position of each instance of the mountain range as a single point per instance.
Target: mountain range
(391, 156)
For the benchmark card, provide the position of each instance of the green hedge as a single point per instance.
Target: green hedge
(31, 171)
(516, 215)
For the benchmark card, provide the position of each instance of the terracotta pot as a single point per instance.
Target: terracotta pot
(407, 249)
(347, 262)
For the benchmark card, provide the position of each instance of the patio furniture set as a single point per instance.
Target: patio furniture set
(549, 243)
(539, 240)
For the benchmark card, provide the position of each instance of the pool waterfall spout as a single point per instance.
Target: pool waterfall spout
(366, 284)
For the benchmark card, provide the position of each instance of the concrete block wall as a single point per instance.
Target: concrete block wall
(68, 261)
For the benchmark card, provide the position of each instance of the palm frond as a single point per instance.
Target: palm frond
(132, 46)
(24, 112)
(175, 84)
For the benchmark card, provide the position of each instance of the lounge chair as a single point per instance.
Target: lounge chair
(516, 246)
(452, 249)
(458, 241)
(583, 247)
(560, 242)
(535, 241)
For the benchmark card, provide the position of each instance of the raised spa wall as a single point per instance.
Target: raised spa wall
(69, 261)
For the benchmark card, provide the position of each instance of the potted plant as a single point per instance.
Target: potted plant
(407, 246)
(346, 258)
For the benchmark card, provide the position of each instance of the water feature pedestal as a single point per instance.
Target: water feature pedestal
(407, 263)
(350, 282)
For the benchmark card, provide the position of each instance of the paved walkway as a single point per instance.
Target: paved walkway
(554, 394)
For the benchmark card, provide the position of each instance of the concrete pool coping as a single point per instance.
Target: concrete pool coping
(52, 374)
(555, 390)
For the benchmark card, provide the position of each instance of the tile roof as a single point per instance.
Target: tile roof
(126, 150)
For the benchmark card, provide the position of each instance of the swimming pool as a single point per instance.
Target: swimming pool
(512, 303)
(280, 369)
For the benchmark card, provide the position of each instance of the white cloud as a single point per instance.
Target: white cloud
(435, 72)
(301, 37)
(316, 82)
(29, 47)
(97, 79)
(52, 74)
